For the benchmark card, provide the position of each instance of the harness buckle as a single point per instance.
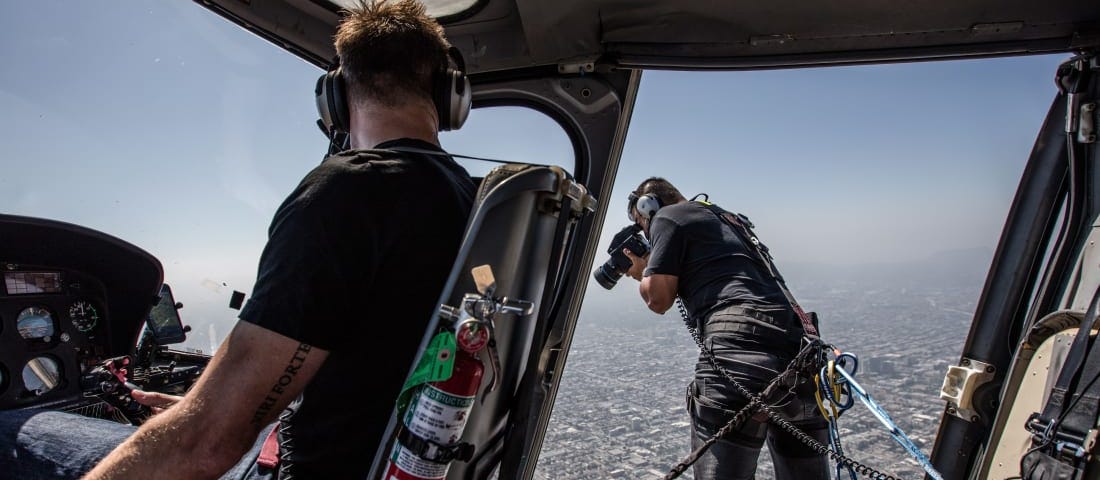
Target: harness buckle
(1074, 447)
(1070, 451)
(1039, 427)
(1067, 446)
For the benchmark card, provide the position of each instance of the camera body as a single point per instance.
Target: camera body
(630, 238)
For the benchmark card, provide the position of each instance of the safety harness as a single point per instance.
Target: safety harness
(743, 227)
(813, 361)
(1064, 433)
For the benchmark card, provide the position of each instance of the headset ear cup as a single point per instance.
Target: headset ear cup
(451, 92)
(648, 206)
(339, 102)
(461, 100)
(322, 102)
(332, 105)
(452, 98)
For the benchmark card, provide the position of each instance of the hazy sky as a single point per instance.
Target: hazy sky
(167, 126)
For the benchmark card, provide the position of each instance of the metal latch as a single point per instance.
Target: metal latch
(1086, 127)
(581, 66)
(959, 385)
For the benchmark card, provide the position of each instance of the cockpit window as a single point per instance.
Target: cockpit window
(508, 134)
(440, 9)
(185, 142)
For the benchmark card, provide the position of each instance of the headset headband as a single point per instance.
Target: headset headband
(451, 95)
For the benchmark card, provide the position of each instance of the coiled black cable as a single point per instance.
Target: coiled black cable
(805, 360)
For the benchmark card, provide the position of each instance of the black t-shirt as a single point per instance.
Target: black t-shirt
(356, 259)
(713, 265)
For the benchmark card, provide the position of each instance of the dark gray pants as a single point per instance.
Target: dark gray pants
(754, 346)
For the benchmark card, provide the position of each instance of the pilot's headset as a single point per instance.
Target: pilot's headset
(647, 205)
(451, 95)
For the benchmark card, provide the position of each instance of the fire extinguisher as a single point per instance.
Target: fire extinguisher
(428, 439)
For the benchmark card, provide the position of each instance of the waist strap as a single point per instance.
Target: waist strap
(750, 320)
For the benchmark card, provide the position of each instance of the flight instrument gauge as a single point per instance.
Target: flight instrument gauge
(84, 315)
(41, 375)
(35, 323)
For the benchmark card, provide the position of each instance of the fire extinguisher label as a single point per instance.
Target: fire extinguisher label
(439, 416)
(419, 468)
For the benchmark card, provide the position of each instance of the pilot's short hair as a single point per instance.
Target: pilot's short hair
(661, 188)
(389, 50)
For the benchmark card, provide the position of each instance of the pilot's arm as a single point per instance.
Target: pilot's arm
(251, 378)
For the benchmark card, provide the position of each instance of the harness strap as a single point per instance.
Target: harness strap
(1080, 415)
(269, 452)
(1072, 429)
(743, 228)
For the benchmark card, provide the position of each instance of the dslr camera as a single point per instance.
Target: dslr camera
(613, 269)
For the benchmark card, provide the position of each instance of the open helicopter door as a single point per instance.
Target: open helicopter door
(520, 228)
(1043, 277)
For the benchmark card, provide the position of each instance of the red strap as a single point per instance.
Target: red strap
(807, 324)
(269, 453)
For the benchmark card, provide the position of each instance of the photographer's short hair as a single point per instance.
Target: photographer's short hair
(389, 50)
(660, 187)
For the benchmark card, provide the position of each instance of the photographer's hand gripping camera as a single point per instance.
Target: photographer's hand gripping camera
(630, 238)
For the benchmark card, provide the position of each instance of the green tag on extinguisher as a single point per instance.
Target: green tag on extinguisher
(437, 364)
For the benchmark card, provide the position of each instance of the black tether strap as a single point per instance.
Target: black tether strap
(432, 451)
(1050, 425)
(455, 155)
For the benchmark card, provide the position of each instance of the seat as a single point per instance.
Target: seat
(520, 226)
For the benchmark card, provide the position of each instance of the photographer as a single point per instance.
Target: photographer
(743, 317)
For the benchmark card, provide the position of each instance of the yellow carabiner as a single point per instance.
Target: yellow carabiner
(817, 396)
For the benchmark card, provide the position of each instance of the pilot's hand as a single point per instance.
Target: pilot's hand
(156, 401)
(637, 266)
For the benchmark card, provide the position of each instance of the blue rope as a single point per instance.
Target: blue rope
(884, 418)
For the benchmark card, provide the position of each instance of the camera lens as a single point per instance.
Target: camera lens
(606, 276)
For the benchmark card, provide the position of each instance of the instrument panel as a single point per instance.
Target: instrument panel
(53, 327)
(70, 298)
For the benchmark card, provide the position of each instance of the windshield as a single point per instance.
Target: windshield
(881, 192)
(172, 129)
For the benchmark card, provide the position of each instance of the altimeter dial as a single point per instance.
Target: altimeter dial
(84, 315)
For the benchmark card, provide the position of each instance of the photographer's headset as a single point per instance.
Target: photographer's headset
(647, 205)
(451, 95)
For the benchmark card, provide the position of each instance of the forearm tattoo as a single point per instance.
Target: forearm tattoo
(277, 390)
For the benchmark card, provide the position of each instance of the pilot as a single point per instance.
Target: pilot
(743, 318)
(356, 258)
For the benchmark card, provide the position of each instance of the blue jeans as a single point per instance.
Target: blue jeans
(44, 444)
(754, 346)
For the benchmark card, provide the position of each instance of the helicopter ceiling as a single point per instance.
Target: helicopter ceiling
(579, 35)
